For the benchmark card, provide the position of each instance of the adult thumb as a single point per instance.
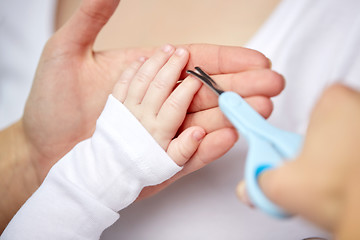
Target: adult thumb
(281, 185)
(83, 27)
(285, 186)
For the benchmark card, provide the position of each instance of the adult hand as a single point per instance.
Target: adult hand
(72, 84)
(320, 183)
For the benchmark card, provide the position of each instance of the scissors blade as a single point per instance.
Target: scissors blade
(206, 79)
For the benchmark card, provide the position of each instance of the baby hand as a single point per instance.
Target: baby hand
(146, 88)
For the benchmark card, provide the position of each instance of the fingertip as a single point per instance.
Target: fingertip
(198, 134)
(263, 105)
(185, 145)
(243, 195)
(142, 59)
(277, 83)
(167, 48)
(259, 60)
(181, 52)
(253, 60)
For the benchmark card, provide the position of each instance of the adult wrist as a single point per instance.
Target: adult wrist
(18, 175)
(347, 226)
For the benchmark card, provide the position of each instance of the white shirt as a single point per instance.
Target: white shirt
(83, 192)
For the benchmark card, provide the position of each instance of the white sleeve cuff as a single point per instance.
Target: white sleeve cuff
(82, 193)
(119, 160)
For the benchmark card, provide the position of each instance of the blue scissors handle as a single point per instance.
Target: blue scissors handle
(268, 146)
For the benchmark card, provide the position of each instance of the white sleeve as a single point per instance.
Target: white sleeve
(83, 192)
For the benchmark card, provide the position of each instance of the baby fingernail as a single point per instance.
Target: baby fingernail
(180, 51)
(167, 48)
(142, 59)
(199, 135)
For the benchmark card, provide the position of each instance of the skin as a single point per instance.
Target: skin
(71, 86)
(146, 89)
(322, 183)
(248, 17)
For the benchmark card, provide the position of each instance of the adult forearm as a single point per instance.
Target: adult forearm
(348, 227)
(18, 179)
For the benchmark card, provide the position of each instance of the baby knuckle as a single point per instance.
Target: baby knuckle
(183, 151)
(174, 103)
(173, 64)
(159, 84)
(142, 77)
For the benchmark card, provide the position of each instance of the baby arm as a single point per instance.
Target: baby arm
(82, 193)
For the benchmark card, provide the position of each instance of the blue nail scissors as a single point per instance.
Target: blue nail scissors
(268, 145)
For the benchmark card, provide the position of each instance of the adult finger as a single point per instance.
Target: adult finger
(287, 187)
(213, 119)
(259, 82)
(224, 59)
(213, 146)
(281, 185)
